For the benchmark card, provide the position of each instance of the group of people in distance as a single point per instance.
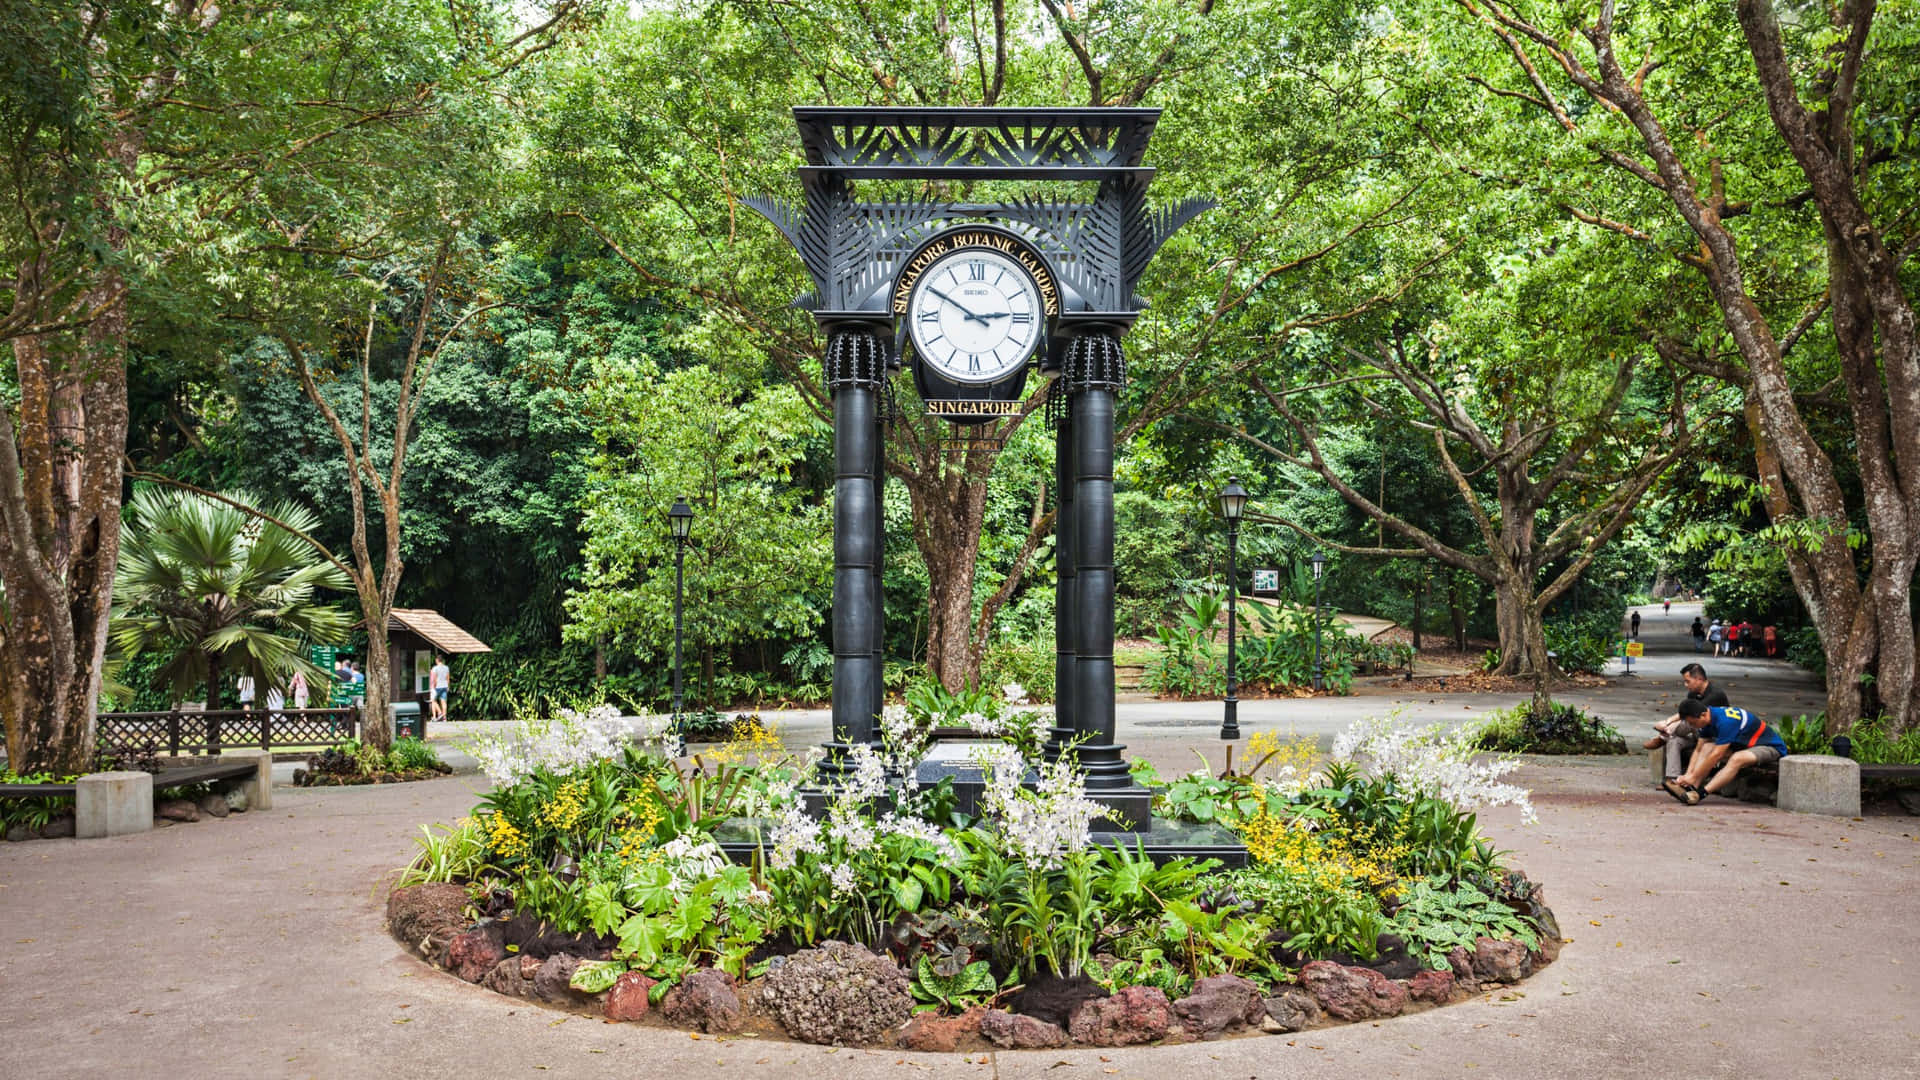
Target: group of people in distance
(1709, 741)
(1727, 638)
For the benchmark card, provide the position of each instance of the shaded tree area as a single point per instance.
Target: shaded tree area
(1544, 305)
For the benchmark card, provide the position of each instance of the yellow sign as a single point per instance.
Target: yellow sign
(1635, 648)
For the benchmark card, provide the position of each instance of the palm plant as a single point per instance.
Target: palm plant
(223, 590)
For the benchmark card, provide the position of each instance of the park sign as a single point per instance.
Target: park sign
(978, 296)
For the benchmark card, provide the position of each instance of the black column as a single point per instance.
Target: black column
(882, 416)
(1095, 368)
(1065, 718)
(855, 366)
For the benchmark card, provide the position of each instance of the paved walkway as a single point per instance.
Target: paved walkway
(1721, 941)
(1724, 941)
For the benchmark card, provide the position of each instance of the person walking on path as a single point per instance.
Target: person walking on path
(1699, 635)
(1633, 626)
(1717, 637)
(439, 679)
(245, 685)
(1733, 639)
(1666, 606)
(299, 688)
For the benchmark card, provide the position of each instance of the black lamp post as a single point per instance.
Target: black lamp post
(1319, 561)
(1233, 503)
(680, 520)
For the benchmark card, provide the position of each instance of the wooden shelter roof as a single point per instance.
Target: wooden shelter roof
(436, 630)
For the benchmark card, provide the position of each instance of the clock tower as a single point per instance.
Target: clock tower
(978, 298)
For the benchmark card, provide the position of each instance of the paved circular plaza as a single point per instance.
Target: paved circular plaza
(1724, 940)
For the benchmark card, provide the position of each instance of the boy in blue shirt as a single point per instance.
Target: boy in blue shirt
(1730, 740)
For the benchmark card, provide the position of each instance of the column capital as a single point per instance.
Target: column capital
(1095, 361)
(857, 356)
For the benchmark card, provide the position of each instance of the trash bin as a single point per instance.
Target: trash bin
(407, 719)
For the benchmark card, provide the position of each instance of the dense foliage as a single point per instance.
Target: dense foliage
(1507, 308)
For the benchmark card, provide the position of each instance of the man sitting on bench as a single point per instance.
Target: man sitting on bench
(1730, 740)
(1676, 734)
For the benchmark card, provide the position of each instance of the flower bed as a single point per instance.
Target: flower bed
(353, 762)
(590, 878)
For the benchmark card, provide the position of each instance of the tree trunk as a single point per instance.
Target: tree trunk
(376, 726)
(61, 480)
(947, 518)
(1538, 661)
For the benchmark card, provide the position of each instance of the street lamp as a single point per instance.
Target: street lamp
(680, 521)
(1319, 561)
(1233, 503)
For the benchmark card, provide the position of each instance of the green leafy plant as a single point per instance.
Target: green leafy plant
(1438, 915)
(458, 852)
(1805, 734)
(1562, 729)
(954, 981)
(32, 812)
(413, 755)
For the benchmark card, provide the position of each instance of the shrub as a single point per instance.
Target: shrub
(1027, 663)
(30, 812)
(1805, 734)
(408, 755)
(1562, 729)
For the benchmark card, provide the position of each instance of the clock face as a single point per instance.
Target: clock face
(975, 315)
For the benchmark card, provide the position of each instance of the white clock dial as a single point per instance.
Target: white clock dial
(975, 315)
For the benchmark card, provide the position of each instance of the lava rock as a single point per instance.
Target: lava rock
(237, 800)
(838, 995)
(1434, 986)
(1392, 959)
(1353, 993)
(176, 810)
(1292, 1009)
(22, 831)
(1461, 961)
(1136, 1014)
(213, 805)
(704, 1000)
(58, 828)
(627, 998)
(472, 954)
(934, 1033)
(1909, 800)
(1053, 999)
(551, 981)
(428, 917)
(1018, 1031)
(1218, 1004)
(509, 977)
(1500, 961)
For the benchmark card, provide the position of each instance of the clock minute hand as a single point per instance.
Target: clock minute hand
(956, 303)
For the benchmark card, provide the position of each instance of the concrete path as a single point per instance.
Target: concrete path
(1720, 941)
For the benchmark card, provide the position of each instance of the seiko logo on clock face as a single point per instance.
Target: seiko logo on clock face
(974, 312)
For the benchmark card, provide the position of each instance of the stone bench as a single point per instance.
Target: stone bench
(1819, 784)
(1808, 783)
(118, 803)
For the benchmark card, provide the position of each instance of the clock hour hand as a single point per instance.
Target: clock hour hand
(956, 303)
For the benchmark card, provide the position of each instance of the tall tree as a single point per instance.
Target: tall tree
(159, 155)
(1708, 152)
(427, 322)
(757, 560)
(1280, 134)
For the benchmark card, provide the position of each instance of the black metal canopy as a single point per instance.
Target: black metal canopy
(853, 249)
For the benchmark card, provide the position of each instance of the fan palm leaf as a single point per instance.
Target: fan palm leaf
(221, 589)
